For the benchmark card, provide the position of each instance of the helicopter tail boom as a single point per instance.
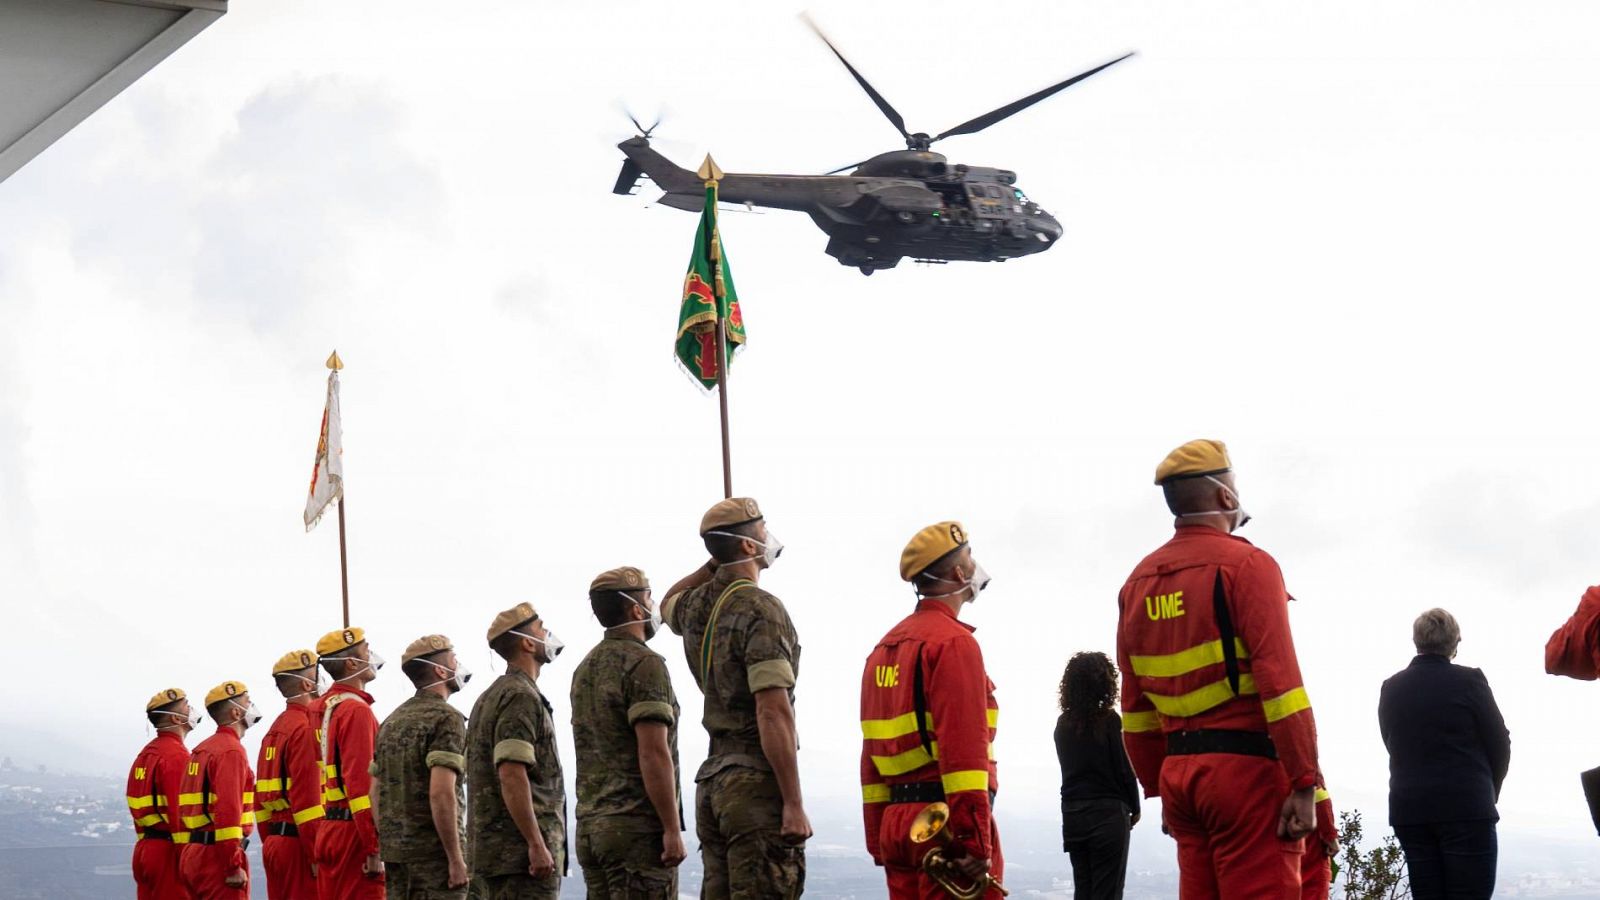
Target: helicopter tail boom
(643, 159)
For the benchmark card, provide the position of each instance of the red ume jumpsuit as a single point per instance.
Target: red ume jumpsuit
(217, 806)
(1221, 752)
(289, 789)
(904, 767)
(153, 785)
(347, 835)
(1574, 650)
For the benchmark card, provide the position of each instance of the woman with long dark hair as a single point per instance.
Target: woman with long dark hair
(1099, 795)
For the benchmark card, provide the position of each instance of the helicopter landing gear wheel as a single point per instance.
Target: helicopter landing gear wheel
(867, 270)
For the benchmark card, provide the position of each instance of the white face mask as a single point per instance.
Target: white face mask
(552, 645)
(976, 584)
(252, 715)
(192, 719)
(458, 679)
(374, 662)
(1240, 517)
(652, 621)
(771, 550)
(314, 688)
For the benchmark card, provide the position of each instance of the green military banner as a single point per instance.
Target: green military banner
(708, 292)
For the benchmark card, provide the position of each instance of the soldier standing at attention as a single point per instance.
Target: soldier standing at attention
(289, 782)
(217, 800)
(348, 864)
(519, 798)
(625, 731)
(928, 719)
(744, 654)
(417, 767)
(1215, 715)
(153, 798)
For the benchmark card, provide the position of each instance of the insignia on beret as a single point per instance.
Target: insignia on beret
(631, 577)
(436, 642)
(349, 637)
(172, 695)
(750, 507)
(229, 689)
(305, 660)
(956, 534)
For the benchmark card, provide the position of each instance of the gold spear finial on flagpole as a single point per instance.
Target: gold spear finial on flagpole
(709, 171)
(334, 362)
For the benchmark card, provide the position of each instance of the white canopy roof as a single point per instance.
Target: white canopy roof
(60, 60)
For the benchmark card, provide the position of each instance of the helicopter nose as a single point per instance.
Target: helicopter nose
(1045, 228)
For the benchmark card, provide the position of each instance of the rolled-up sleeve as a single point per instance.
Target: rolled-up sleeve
(648, 691)
(771, 652)
(516, 731)
(447, 745)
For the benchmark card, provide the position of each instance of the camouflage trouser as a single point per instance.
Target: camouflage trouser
(420, 879)
(620, 865)
(517, 887)
(738, 813)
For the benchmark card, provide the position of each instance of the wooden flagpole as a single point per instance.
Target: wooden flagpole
(336, 364)
(344, 569)
(711, 174)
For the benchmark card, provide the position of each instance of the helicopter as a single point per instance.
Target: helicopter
(903, 203)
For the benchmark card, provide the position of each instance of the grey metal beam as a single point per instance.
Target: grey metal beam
(196, 15)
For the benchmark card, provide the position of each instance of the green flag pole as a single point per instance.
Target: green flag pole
(711, 174)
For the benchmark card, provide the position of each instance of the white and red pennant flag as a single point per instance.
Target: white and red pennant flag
(327, 473)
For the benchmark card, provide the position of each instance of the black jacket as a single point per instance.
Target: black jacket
(1448, 745)
(1094, 766)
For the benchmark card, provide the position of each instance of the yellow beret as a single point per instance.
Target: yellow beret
(729, 513)
(162, 698)
(226, 691)
(343, 639)
(626, 578)
(929, 545)
(294, 661)
(424, 646)
(516, 616)
(1194, 459)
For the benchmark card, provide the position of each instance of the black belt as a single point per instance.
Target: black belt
(151, 835)
(210, 837)
(339, 814)
(1239, 743)
(916, 792)
(282, 829)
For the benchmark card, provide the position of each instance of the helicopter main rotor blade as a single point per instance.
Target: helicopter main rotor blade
(888, 111)
(989, 118)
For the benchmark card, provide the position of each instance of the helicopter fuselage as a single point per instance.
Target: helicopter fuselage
(905, 203)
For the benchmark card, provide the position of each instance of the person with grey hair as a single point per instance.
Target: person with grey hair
(1449, 751)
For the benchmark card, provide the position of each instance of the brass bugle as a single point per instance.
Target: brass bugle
(929, 828)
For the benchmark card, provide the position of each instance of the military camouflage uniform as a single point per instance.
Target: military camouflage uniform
(424, 732)
(511, 722)
(738, 807)
(619, 684)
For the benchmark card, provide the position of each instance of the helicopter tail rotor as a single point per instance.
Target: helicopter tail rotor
(643, 131)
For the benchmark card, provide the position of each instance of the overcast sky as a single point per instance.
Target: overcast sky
(1354, 241)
